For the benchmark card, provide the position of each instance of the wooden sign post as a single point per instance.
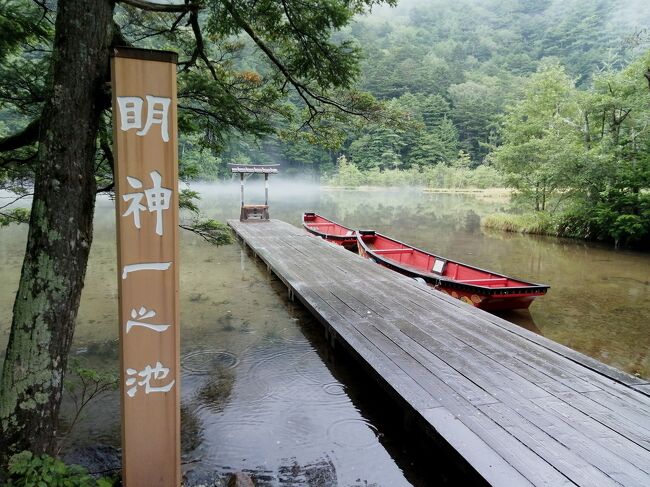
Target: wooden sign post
(146, 201)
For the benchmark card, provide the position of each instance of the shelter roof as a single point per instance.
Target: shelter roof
(254, 168)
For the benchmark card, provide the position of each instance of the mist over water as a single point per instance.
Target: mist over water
(261, 389)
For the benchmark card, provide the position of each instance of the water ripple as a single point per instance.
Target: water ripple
(353, 433)
(335, 389)
(206, 361)
(309, 367)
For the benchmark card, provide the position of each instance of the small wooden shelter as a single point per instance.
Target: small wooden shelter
(254, 212)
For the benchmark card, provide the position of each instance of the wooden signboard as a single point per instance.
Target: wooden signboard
(146, 201)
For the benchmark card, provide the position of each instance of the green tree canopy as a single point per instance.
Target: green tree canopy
(541, 147)
(586, 150)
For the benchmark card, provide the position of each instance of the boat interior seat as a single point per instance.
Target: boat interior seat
(491, 280)
(393, 251)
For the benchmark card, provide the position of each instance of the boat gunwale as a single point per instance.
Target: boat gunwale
(533, 289)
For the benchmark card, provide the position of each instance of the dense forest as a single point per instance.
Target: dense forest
(447, 71)
(548, 98)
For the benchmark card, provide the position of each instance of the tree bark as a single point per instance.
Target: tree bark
(60, 230)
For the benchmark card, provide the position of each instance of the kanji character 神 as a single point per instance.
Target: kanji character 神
(158, 199)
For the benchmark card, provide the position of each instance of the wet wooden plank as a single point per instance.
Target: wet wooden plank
(517, 407)
(551, 372)
(644, 388)
(609, 439)
(580, 471)
(567, 428)
(496, 470)
(583, 438)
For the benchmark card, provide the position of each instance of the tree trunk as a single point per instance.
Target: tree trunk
(60, 230)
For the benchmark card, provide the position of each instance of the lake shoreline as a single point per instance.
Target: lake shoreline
(542, 223)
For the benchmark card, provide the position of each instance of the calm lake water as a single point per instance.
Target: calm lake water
(261, 390)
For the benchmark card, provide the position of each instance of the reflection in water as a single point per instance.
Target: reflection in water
(191, 430)
(523, 317)
(261, 390)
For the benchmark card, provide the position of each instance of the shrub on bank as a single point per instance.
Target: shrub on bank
(588, 224)
(441, 176)
(438, 176)
(347, 175)
(538, 223)
(29, 470)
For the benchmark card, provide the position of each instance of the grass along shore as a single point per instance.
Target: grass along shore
(537, 223)
(565, 224)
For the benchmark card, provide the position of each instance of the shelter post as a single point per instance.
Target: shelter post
(241, 178)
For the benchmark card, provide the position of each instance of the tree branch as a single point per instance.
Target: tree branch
(200, 45)
(25, 137)
(303, 90)
(302, 35)
(623, 115)
(160, 7)
(118, 37)
(211, 231)
(107, 188)
(15, 200)
(9, 218)
(105, 147)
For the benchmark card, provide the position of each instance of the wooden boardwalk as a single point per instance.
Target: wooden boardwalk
(519, 408)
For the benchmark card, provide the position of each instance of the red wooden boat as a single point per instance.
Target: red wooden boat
(484, 289)
(329, 230)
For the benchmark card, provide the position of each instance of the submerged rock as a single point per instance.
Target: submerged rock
(240, 479)
(99, 460)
